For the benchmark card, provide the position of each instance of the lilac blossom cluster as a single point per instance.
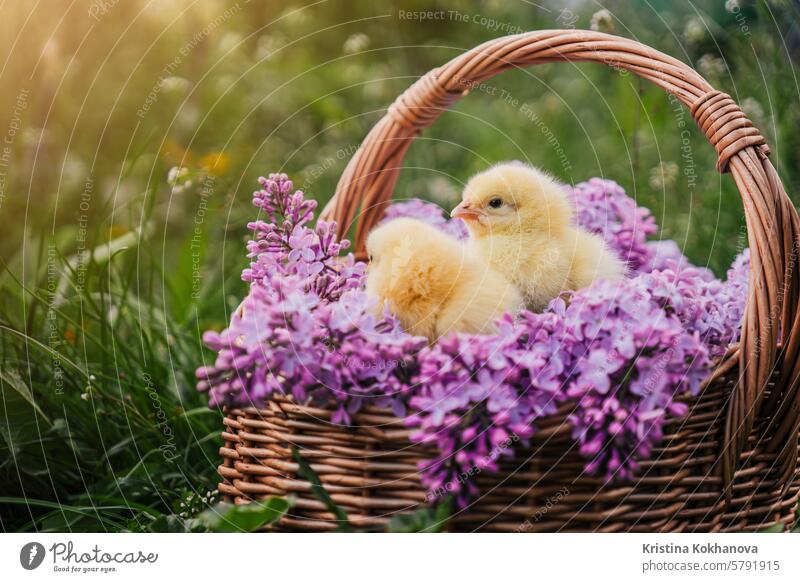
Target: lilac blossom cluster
(666, 253)
(632, 359)
(286, 340)
(739, 275)
(603, 207)
(477, 394)
(306, 328)
(705, 305)
(285, 245)
(619, 354)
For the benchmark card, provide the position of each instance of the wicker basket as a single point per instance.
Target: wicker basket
(729, 465)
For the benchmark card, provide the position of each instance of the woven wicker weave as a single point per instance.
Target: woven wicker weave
(729, 465)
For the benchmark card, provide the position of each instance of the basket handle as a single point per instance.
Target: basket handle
(773, 225)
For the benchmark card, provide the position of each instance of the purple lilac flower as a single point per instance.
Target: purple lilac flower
(429, 213)
(631, 359)
(603, 207)
(732, 299)
(665, 254)
(284, 244)
(306, 328)
(704, 305)
(478, 395)
(283, 339)
(739, 273)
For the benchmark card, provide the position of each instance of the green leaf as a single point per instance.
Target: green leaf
(776, 528)
(428, 520)
(318, 490)
(182, 284)
(227, 517)
(21, 419)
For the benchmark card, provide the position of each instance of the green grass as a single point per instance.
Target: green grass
(101, 428)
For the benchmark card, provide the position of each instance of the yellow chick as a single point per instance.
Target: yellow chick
(520, 222)
(431, 284)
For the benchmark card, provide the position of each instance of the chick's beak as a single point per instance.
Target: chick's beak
(465, 211)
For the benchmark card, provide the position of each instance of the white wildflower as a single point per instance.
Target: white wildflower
(268, 44)
(602, 21)
(356, 43)
(711, 66)
(732, 6)
(32, 136)
(178, 175)
(230, 41)
(663, 175)
(174, 84)
(695, 30)
(296, 16)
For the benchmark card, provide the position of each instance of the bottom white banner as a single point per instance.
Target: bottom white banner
(407, 557)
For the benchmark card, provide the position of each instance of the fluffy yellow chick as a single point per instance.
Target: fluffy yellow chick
(520, 222)
(431, 284)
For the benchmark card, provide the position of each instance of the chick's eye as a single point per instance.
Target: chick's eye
(495, 202)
